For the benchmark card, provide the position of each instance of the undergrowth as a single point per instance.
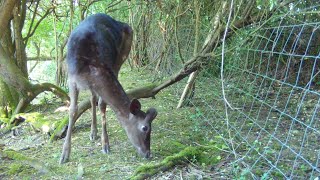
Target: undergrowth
(177, 140)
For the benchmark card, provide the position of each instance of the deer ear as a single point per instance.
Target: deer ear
(135, 106)
(151, 114)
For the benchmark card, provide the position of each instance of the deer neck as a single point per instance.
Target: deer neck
(106, 85)
(121, 110)
(119, 102)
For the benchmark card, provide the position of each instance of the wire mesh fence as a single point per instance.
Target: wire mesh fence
(272, 83)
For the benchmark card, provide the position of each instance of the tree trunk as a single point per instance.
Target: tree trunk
(13, 73)
(135, 50)
(6, 14)
(141, 28)
(61, 72)
(12, 76)
(133, 47)
(188, 89)
(56, 50)
(187, 93)
(20, 53)
(147, 17)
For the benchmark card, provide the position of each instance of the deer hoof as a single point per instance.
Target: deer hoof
(93, 136)
(64, 158)
(105, 149)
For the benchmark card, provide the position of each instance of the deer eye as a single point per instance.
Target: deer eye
(144, 128)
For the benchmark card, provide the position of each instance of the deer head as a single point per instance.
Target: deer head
(139, 127)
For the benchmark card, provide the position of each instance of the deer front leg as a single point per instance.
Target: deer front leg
(104, 134)
(93, 134)
(74, 92)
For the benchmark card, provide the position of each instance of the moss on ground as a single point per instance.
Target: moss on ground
(59, 126)
(22, 160)
(198, 154)
(14, 168)
(38, 121)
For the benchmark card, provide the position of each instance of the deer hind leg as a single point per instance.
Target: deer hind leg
(74, 92)
(104, 134)
(93, 134)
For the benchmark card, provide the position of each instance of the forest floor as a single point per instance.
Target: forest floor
(173, 131)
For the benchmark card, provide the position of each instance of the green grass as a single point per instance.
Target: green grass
(173, 131)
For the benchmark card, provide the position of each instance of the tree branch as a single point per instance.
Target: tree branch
(23, 12)
(36, 26)
(40, 58)
(39, 88)
(33, 17)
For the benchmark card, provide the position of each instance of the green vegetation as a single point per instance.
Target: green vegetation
(270, 63)
(202, 155)
(172, 144)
